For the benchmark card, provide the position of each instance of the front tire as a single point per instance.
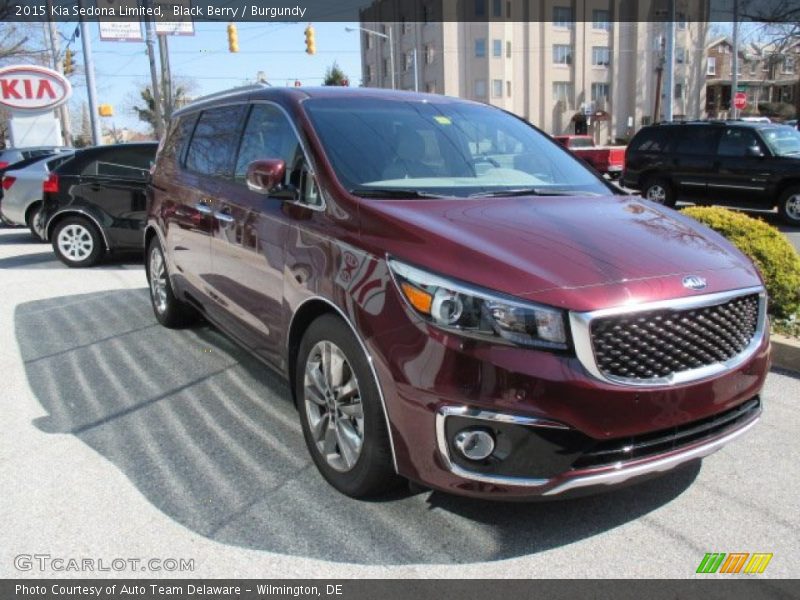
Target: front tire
(77, 243)
(341, 411)
(659, 190)
(169, 311)
(789, 206)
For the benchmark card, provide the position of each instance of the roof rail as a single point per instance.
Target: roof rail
(254, 87)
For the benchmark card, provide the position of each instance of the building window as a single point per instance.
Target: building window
(601, 19)
(508, 89)
(508, 9)
(406, 27)
(387, 71)
(480, 8)
(711, 66)
(562, 16)
(430, 87)
(600, 92)
(680, 55)
(562, 54)
(678, 91)
(508, 49)
(370, 73)
(753, 67)
(480, 88)
(788, 65)
(497, 8)
(430, 54)
(368, 41)
(601, 56)
(408, 61)
(497, 48)
(480, 48)
(562, 92)
(497, 88)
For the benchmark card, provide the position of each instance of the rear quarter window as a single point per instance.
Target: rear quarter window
(177, 138)
(653, 141)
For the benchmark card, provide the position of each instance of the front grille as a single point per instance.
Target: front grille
(659, 442)
(659, 343)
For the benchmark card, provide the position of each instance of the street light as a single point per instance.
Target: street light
(384, 36)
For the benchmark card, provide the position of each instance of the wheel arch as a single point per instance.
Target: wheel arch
(783, 186)
(306, 313)
(57, 218)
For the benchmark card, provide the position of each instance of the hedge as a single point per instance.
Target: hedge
(768, 248)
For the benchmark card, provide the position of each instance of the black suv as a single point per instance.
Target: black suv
(735, 163)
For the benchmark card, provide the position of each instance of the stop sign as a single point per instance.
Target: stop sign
(740, 100)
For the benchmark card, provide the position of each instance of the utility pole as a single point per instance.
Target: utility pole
(150, 34)
(166, 76)
(391, 57)
(416, 72)
(669, 58)
(55, 52)
(735, 58)
(91, 89)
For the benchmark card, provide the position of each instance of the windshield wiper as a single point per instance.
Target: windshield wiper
(394, 193)
(530, 192)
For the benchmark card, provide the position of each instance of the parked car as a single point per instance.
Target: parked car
(22, 193)
(453, 297)
(95, 202)
(609, 160)
(17, 165)
(9, 156)
(735, 163)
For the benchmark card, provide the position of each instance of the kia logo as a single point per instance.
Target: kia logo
(694, 282)
(32, 88)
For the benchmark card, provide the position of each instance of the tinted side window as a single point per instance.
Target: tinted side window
(54, 163)
(735, 142)
(268, 134)
(214, 142)
(125, 163)
(697, 140)
(178, 136)
(654, 140)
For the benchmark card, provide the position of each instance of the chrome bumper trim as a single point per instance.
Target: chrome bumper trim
(599, 476)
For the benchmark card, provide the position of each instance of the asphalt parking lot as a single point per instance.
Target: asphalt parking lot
(123, 439)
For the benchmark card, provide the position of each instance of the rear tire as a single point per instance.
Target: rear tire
(341, 412)
(77, 243)
(169, 311)
(789, 206)
(34, 220)
(659, 190)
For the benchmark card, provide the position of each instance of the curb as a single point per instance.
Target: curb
(785, 352)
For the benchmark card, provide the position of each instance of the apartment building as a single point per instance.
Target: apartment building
(766, 74)
(565, 65)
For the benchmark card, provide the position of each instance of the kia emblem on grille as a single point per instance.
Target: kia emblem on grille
(694, 282)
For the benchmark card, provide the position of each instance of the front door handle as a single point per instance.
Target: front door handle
(203, 208)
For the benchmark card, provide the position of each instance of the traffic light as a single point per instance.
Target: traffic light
(69, 68)
(105, 110)
(233, 38)
(311, 44)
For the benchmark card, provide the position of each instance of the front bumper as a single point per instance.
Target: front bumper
(431, 378)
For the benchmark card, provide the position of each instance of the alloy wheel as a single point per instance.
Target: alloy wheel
(657, 193)
(75, 242)
(333, 406)
(158, 279)
(793, 207)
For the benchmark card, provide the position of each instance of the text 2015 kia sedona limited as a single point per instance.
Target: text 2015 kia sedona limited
(454, 298)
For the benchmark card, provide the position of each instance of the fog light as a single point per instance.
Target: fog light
(475, 444)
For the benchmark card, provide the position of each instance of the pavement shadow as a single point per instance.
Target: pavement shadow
(211, 438)
(48, 260)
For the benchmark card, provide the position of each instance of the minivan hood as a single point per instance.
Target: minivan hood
(527, 245)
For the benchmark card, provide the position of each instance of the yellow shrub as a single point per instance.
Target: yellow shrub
(768, 248)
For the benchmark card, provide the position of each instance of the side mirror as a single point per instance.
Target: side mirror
(755, 152)
(266, 176)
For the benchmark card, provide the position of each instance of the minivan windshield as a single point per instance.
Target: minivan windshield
(394, 148)
(783, 141)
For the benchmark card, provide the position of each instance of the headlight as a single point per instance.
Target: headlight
(479, 313)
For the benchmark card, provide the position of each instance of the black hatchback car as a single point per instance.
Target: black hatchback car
(735, 163)
(95, 202)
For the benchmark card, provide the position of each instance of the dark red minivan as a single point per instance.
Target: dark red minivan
(454, 298)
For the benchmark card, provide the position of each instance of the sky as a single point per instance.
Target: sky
(277, 49)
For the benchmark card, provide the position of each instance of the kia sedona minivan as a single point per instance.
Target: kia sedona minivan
(454, 299)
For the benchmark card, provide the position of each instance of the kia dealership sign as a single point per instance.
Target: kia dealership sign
(28, 88)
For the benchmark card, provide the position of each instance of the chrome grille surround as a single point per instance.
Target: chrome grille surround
(581, 324)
